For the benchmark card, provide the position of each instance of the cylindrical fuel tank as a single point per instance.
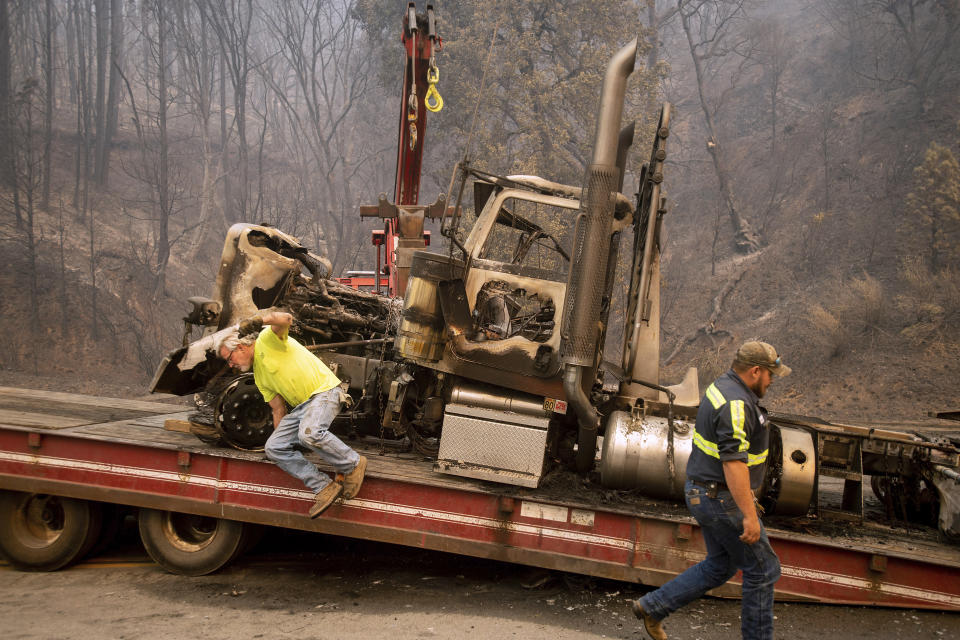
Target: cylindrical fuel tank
(420, 335)
(639, 453)
(643, 452)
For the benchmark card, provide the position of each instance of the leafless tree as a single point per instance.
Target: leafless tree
(71, 54)
(899, 43)
(26, 167)
(50, 98)
(232, 21)
(108, 120)
(656, 18)
(826, 116)
(154, 169)
(62, 262)
(100, 108)
(327, 75)
(710, 29)
(6, 107)
(81, 11)
(773, 49)
(197, 59)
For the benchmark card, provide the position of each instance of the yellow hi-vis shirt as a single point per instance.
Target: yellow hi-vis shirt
(288, 369)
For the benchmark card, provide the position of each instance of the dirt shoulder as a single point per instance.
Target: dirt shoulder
(328, 587)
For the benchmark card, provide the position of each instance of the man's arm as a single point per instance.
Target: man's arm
(279, 408)
(279, 321)
(737, 476)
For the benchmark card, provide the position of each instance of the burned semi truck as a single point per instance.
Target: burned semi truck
(493, 363)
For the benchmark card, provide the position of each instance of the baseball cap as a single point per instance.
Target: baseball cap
(763, 355)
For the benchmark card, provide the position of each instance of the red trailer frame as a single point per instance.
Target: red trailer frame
(62, 446)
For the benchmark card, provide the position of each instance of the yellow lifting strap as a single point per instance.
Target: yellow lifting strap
(433, 101)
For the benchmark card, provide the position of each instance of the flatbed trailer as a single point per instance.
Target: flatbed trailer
(104, 450)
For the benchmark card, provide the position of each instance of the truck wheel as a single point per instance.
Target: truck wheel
(40, 532)
(111, 516)
(188, 544)
(241, 417)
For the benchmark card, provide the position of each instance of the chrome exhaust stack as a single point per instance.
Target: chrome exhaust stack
(585, 287)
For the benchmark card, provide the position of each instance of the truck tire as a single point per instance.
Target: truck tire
(40, 532)
(111, 521)
(188, 544)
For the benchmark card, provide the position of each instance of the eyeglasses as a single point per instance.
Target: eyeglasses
(229, 357)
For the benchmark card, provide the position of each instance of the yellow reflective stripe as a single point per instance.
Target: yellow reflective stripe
(736, 420)
(715, 397)
(709, 448)
(753, 459)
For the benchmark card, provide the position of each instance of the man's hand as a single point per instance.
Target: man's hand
(737, 475)
(751, 528)
(280, 322)
(250, 325)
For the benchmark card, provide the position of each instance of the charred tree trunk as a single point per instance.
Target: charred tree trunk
(243, 194)
(91, 229)
(744, 237)
(193, 43)
(655, 21)
(225, 144)
(71, 55)
(81, 15)
(100, 108)
(7, 171)
(50, 101)
(257, 207)
(113, 88)
(231, 20)
(25, 174)
(64, 303)
(163, 177)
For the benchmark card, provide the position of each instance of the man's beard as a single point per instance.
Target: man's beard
(244, 368)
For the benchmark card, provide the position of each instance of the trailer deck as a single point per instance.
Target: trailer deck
(118, 451)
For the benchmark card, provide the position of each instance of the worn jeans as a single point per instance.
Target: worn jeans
(308, 425)
(721, 523)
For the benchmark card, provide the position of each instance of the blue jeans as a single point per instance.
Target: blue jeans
(721, 523)
(308, 425)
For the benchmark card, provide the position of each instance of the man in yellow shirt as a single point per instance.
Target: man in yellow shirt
(286, 373)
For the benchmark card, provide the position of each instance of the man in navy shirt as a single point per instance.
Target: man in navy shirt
(726, 467)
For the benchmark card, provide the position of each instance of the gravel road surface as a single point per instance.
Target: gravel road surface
(298, 585)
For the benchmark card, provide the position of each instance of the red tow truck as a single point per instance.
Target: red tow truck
(67, 461)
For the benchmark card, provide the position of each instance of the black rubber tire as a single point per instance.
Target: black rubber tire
(112, 516)
(187, 544)
(252, 535)
(40, 532)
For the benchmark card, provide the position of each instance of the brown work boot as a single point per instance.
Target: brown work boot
(652, 625)
(325, 498)
(353, 480)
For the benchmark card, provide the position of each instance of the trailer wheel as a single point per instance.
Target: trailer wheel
(111, 520)
(188, 544)
(40, 532)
